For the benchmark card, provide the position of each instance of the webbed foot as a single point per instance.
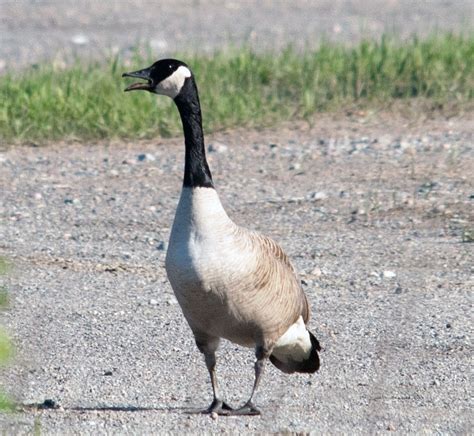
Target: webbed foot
(220, 407)
(247, 409)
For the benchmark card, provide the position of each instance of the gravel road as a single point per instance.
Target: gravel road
(372, 212)
(32, 30)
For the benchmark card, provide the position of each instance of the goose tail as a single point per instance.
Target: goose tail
(297, 351)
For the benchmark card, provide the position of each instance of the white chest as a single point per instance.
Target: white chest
(202, 244)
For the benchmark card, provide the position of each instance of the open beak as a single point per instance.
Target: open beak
(140, 74)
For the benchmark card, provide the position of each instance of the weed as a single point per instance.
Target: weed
(468, 235)
(4, 266)
(5, 346)
(3, 297)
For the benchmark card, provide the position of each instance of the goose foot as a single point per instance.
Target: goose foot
(247, 409)
(220, 407)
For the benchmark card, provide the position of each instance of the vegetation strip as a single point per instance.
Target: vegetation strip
(238, 87)
(5, 346)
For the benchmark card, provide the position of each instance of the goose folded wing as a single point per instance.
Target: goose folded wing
(278, 295)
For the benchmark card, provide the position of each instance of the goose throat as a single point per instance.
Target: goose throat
(196, 168)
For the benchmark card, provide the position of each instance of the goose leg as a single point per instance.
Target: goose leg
(217, 406)
(249, 408)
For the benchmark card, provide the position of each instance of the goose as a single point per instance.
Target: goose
(231, 283)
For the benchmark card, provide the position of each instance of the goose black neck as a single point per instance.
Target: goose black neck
(196, 168)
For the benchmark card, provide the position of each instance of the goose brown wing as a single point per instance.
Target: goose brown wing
(278, 279)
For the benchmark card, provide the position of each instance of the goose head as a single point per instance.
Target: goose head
(164, 77)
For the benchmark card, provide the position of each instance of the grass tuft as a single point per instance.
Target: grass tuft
(4, 300)
(5, 346)
(4, 266)
(6, 404)
(237, 87)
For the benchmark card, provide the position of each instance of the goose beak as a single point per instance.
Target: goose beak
(140, 74)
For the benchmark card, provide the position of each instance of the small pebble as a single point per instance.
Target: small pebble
(145, 156)
(80, 39)
(161, 246)
(217, 147)
(318, 196)
(72, 201)
(48, 404)
(389, 275)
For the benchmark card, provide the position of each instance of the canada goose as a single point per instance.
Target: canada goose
(231, 283)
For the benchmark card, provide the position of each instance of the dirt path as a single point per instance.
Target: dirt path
(31, 31)
(373, 214)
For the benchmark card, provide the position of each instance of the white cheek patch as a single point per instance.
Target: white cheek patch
(171, 86)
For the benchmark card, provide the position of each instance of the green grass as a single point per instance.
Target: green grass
(238, 87)
(5, 349)
(5, 346)
(3, 297)
(4, 266)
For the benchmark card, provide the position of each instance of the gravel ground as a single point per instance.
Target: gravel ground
(372, 212)
(32, 30)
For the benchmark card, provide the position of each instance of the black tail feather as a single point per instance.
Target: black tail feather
(310, 365)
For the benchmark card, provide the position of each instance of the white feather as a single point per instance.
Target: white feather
(294, 344)
(171, 86)
(201, 242)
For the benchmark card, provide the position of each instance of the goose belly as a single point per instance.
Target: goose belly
(208, 280)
